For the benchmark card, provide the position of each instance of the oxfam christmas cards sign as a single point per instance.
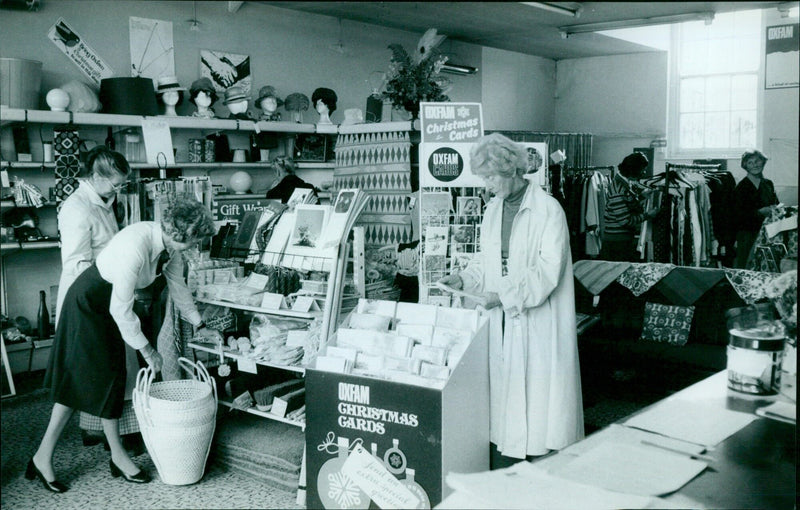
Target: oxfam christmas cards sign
(372, 443)
(448, 132)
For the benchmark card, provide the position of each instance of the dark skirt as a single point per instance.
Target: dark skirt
(86, 370)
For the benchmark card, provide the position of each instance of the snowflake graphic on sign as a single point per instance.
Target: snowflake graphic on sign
(343, 490)
(463, 112)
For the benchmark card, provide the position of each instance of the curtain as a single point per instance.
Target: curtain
(576, 146)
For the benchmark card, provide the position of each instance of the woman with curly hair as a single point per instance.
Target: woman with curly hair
(523, 274)
(87, 369)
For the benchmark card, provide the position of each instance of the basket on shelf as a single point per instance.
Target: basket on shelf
(177, 421)
(220, 318)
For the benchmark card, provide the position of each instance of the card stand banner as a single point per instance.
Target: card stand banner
(450, 227)
(448, 131)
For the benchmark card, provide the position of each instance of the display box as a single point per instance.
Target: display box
(417, 434)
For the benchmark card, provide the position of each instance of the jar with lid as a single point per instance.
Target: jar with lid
(133, 146)
(755, 349)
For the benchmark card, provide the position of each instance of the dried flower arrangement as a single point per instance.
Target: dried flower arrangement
(411, 80)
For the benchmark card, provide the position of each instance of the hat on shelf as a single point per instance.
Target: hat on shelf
(268, 91)
(168, 84)
(234, 94)
(353, 116)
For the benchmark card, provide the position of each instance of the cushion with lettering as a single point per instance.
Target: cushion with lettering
(667, 323)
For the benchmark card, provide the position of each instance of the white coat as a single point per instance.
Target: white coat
(87, 224)
(536, 403)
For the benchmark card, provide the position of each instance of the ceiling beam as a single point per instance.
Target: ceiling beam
(234, 6)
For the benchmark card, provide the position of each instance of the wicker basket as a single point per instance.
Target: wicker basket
(179, 453)
(177, 421)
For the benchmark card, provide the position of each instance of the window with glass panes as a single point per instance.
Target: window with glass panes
(716, 94)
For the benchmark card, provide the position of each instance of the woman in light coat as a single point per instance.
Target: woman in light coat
(524, 272)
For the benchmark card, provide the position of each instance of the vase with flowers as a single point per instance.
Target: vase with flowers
(411, 80)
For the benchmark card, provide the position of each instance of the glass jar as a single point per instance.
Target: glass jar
(133, 147)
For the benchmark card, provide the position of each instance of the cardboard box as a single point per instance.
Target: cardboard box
(419, 434)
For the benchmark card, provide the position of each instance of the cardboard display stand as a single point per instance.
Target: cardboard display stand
(416, 434)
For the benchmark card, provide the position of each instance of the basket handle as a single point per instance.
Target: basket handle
(200, 375)
(141, 395)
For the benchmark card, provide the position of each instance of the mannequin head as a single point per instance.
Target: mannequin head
(267, 100)
(202, 87)
(235, 100)
(170, 93)
(238, 106)
(172, 98)
(324, 100)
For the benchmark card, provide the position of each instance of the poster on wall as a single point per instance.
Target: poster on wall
(226, 69)
(537, 161)
(448, 130)
(782, 67)
(79, 52)
(152, 51)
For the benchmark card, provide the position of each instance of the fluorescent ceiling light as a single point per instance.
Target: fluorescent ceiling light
(458, 69)
(555, 8)
(639, 22)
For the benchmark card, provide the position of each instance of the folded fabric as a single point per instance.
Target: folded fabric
(639, 278)
(749, 285)
(685, 285)
(667, 323)
(596, 275)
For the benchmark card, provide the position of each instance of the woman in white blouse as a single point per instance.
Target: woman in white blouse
(87, 369)
(87, 223)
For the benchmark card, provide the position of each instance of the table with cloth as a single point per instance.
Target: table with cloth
(625, 288)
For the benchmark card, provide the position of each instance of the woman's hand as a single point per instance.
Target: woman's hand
(453, 281)
(492, 300)
(765, 211)
(152, 357)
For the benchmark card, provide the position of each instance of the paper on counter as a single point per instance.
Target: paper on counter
(621, 434)
(781, 411)
(707, 425)
(526, 486)
(631, 469)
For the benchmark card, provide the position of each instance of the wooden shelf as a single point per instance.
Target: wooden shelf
(214, 349)
(265, 414)
(10, 115)
(301, 165)
(281, 313)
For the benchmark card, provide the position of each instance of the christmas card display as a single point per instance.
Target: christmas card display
(363, 438)
(414, 346)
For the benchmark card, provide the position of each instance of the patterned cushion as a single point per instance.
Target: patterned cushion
(667, 323)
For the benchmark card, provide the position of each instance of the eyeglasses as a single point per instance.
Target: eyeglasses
(115, 187)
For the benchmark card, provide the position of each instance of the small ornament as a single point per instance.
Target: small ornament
(335, 489)
(394, 459)
(417, 490)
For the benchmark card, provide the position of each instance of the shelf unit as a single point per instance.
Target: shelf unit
(10, 115)
(301, 165)
(282, 313)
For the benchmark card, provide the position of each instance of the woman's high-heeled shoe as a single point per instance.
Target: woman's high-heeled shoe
(33, 472)
(140, 477)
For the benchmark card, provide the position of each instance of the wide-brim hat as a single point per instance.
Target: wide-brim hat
(268, 91)
(233, 94)
(168, 84)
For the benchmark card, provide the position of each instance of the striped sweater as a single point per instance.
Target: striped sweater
(624, 211)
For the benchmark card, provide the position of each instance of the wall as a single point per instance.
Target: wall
(517, 91)
(622, 100)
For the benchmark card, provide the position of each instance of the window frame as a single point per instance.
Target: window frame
(674, 151)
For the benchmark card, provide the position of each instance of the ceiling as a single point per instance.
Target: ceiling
(515, 26)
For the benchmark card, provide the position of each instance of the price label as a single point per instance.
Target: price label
(248, 365)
